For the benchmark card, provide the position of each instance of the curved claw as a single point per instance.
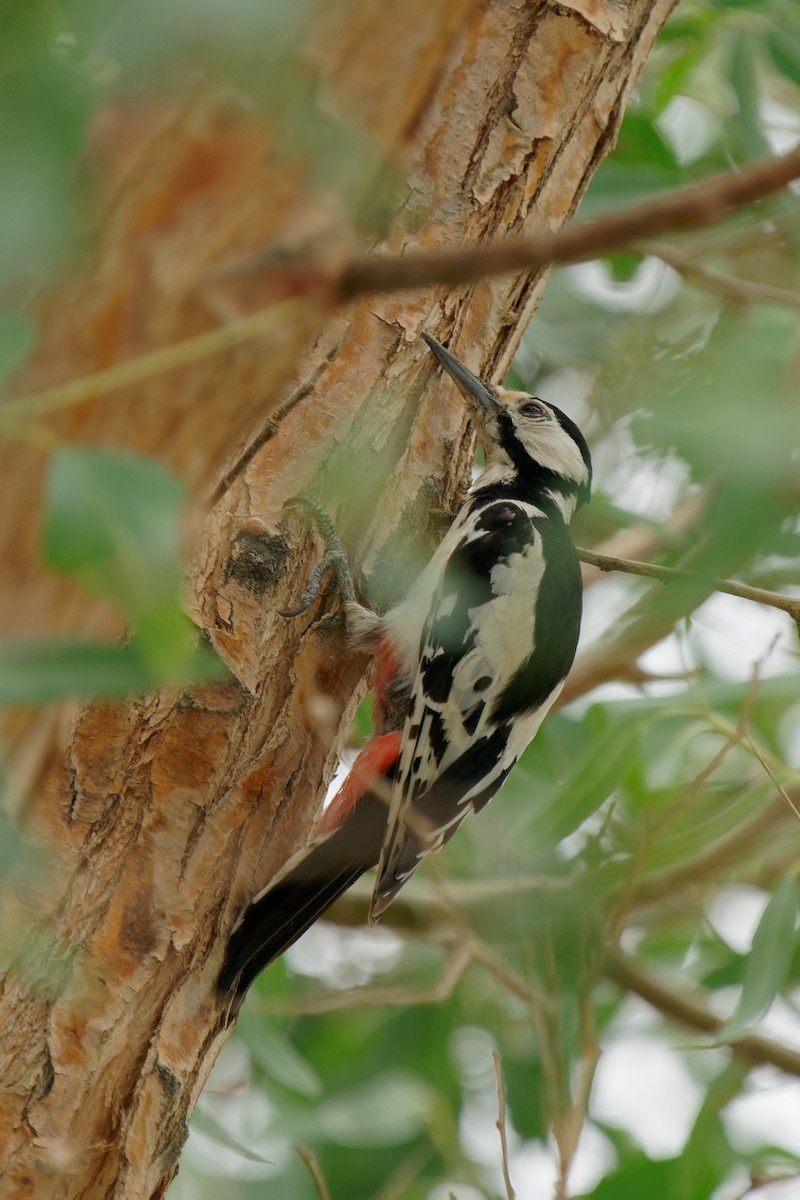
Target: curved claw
(294, 612)
(311, 591)
(322, 521)
(333, 558)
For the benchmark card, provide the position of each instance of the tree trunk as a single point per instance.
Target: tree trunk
(160, 817)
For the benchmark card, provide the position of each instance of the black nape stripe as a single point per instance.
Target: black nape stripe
(569, 426)
(533, 481)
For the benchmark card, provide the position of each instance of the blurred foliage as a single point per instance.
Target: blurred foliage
(112, 522)
(653, 814)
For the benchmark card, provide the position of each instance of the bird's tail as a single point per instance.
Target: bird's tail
(304, 890)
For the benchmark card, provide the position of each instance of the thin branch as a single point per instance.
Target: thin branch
(30, 434)
(501, 1123)
(691, 1012)
(315, 1171)
(420, 909)
(733, 738)
(730, 287)
(568, 1129)
(273, 423)
(760, 1182)
(405, 1173)
(538, 1008)
(695, 206)
(691, 207)
(782, 792)
(378, 997)
(655, 825)
(604, 562)
(146, 366)
(642, 540)
(677, 1005)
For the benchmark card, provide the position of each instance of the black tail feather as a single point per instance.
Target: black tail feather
(286, 909)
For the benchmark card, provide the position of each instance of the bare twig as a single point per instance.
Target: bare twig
(687, 208)
(654, 826)
(693, 1013)
(782, 792)
(642, 540)
(420, 909)
(604, 562)
(567, 1130)
(407, 1170)
(501, 1123)
(146, 366)
(310, 1159)
(681, 1007)
(273, 423)
(380, 997)
(761, 1181)
(691, 207)
(730, 287)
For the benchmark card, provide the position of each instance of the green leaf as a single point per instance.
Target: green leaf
(707, 1155)
(617, 184)
(37, 672)
(278, 1058)
(44, 108)
(204, 1123)
(17, 339)
(167, 642)
(730, 417)
(767, 966)
(113, 522)
(675, 77)
(784, 49)
(593, 779)
(388, 1111)
(641, 142)
(744, 78)
(26, 861)
(637, 1178)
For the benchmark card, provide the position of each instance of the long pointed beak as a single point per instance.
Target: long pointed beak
(468, 384)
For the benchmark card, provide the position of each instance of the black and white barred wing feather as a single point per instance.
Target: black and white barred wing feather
(459, 739)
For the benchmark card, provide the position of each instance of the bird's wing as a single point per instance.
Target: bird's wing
(479, 633)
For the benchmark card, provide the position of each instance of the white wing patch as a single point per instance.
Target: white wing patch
(485, 647)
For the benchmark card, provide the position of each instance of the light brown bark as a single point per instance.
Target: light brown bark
(158, 818)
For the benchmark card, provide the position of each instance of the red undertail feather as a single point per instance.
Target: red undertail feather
(372, 764)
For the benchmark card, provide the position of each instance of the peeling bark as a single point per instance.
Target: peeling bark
(159, 818)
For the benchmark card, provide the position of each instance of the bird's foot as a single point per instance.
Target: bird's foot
(334, 559)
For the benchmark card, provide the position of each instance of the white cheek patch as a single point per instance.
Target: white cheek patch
(554, 449)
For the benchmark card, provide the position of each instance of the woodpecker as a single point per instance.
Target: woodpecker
(467, 667)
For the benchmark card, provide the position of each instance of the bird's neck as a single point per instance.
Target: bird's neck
(542, 488)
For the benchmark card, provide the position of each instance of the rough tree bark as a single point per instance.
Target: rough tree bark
(159, 817)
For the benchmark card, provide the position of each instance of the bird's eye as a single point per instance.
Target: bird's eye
(533, 408)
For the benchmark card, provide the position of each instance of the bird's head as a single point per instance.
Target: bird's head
(527, 442)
